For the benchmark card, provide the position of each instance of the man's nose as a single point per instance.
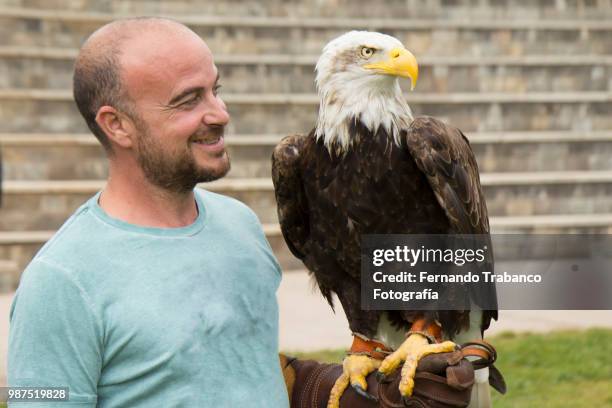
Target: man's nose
(216, 114)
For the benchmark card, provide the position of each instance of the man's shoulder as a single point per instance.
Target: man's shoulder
(227, 205)
(54, 264)
(227, 214)
(79, 230)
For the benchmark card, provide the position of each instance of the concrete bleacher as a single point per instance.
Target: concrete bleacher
(316, 8)
(529, 82)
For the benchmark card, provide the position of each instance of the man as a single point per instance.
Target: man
(152, 294)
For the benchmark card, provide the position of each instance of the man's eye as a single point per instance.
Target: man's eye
(216, 89)
(191, 102)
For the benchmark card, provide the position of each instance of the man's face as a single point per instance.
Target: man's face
(180, 119)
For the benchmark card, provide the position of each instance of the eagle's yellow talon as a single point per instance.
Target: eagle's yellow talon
(355, 369)
(410, 352)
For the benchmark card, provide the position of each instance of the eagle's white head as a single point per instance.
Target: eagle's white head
(358, 79)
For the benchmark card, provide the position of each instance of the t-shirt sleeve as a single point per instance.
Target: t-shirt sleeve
(55, 337)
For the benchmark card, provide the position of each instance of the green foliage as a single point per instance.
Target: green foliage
(554, 370)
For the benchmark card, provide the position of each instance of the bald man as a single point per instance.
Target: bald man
(152, 294)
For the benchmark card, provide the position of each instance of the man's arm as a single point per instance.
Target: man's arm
(55, 337)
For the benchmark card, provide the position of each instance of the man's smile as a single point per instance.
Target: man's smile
(213, 143)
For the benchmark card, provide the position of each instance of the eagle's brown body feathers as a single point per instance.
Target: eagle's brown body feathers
(326, 201)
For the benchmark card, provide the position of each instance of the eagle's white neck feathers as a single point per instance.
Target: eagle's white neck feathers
(347, 93)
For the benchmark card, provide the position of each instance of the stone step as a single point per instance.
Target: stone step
(8, 270)
(20, 246)
(43, 110)
(34, 205)
(80, 157)
(68, 54)
(296, 35)
(454, 9)
(36, 67)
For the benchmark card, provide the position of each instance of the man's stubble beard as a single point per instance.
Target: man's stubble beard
(171, 171)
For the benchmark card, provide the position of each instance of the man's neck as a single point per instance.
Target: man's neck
(136, 201)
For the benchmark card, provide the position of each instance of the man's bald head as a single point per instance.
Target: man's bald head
(98, 78)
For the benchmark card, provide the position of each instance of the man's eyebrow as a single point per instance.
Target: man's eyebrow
(188, 91)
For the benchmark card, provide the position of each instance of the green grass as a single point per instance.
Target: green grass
(555, 370)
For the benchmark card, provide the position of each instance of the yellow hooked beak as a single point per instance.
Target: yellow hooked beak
(401, 63)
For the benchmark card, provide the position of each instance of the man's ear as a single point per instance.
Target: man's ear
(118, 127)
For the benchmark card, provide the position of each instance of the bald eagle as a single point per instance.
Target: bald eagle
(369, 167)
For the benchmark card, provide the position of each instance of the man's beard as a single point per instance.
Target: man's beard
(177, 172)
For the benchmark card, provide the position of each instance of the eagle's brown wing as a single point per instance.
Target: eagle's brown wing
(444, 155)
(290, 197)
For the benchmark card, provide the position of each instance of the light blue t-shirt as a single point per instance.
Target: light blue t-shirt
(127, 316)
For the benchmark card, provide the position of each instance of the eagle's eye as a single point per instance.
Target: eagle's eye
(367, 52)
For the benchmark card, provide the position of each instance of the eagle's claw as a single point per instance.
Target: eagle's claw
(364, 393)
(410, 352)
(381, 378)
(355, 369)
